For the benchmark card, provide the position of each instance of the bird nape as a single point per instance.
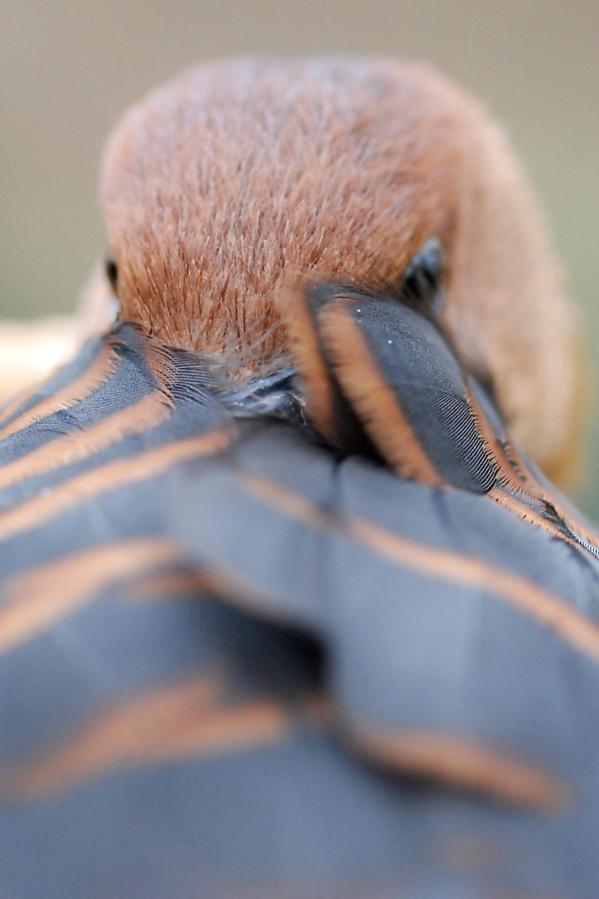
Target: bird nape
(288, 606)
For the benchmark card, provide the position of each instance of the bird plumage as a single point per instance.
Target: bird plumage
(308, 621)
(220, 184)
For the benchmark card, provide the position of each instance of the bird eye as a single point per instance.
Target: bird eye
(112, 272)
(422, 278)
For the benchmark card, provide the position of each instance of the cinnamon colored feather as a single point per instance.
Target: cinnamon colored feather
(219, 184)
(281, 586)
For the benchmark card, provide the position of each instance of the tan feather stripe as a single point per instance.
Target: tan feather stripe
(506, 474)
(38, 598)
(458, 568)
(464, 763)
(181, 720)
(146, 413)
(375, 403)
(541, 494)
(530, 487)
(160, 361)
(307, 354)
(169, 584)
(36, 511)
(102, 366)
(514, 504)
(433, 754)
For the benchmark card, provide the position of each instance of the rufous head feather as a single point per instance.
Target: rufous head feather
(237, 173)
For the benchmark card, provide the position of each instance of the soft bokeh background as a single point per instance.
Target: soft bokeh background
(68, 68)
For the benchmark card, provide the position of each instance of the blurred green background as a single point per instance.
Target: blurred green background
(68, 68)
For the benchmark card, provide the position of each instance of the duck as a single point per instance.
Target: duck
(291, 599)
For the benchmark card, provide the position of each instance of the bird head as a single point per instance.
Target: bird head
(237, 175)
